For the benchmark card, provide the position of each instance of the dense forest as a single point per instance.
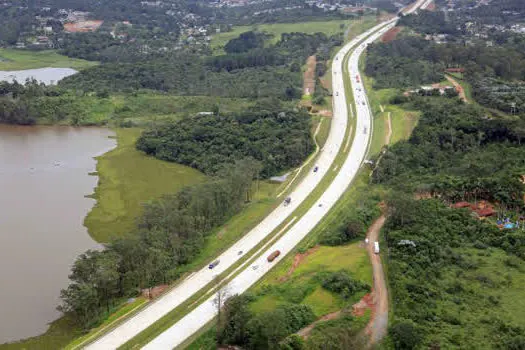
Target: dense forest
(449, 277)
(438, 256)
(247, 71)
(278, 139)
(169, 233)
(495, 73)
(402, 63)
(460, 154)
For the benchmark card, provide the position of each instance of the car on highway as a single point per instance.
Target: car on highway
(364, 104)
(213, 264)
(316, 168)
(337, 94)
(240, 252)
(255, 267)
(274, 255)
(287, 201)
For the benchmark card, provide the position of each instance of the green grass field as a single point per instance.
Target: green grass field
(12, 59)
(128, 178)
(276, 29)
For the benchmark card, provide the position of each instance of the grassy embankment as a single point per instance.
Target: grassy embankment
(12, 59)
(402, 121)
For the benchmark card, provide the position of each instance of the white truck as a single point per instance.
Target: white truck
(376, 247)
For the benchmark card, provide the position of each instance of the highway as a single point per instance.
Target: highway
(206, 311)
(142, 320)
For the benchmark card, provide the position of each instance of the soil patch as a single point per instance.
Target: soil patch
(297, 260)
(155, 291)
(82, 26)
(390, 35)
(366, 303)
(309, 76)
(325, 113)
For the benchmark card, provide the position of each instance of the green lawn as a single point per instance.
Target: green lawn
(12, 59)
(128, 178)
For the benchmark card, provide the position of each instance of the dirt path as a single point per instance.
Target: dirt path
(388, 135)
(377, 326)
(309, 76)
(305, 332)
(458, 87)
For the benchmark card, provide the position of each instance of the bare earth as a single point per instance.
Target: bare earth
(309, 76)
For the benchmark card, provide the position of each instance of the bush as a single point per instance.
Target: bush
(404, 335)
(342, 283)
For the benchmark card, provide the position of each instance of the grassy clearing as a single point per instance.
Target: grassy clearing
(141, 109)
(146, 108)
(403, 121)
(128, 178)
(303, 288)
(277, 29)
(12, 59)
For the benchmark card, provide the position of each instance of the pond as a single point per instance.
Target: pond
(48, 76)
(44, 178)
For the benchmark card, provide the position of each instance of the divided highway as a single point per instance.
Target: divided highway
(206, 311)
(145, 318)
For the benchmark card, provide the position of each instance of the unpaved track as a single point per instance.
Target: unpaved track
(458, 87)
(377, 327)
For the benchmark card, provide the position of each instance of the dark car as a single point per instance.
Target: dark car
(315, 169)
(213, 264)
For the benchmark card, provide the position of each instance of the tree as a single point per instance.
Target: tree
(235, 316)
(404, 335)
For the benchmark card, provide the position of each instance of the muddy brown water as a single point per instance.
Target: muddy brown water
(44, 177)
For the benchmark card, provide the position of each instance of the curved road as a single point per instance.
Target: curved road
(145, 318)
(206, 311)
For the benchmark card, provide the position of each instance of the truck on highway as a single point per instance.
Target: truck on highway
(287, 201)
(376, 247)
(274, 255)
(213, 264)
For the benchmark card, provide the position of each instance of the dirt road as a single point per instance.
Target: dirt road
(458, 87)
(378, 324)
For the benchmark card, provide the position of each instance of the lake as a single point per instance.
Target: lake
(48, 76)
(44, 177)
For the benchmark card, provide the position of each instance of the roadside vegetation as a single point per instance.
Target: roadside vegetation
(452, 275)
